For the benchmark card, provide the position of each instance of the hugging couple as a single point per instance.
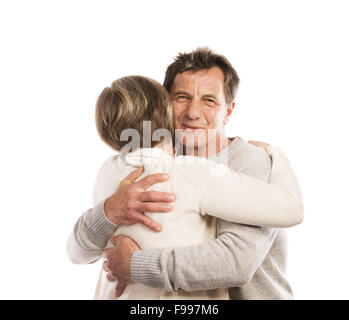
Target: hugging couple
(181, 211)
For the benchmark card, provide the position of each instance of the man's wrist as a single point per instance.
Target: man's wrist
(146, 268)
(98, 223)
(108, 212)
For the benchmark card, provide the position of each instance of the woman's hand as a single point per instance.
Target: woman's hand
(260, 144)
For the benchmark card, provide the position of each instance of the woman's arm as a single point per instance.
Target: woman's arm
(239, 198)
(246, 200)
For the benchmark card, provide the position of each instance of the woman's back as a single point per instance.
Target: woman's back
(183, 226)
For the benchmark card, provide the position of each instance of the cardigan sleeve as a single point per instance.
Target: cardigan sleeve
(243, 199)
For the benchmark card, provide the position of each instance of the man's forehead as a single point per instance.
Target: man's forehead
(212, 78)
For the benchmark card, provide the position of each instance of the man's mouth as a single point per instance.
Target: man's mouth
(192, 128)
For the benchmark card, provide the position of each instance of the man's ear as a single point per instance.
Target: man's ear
(229, 111)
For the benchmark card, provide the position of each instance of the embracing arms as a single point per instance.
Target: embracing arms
(232, 197)
(227, 261)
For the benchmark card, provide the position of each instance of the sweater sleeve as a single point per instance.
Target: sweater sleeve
(90, 235)
(228, 261)
(231, 260)
(240, 198)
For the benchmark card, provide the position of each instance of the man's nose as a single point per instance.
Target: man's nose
(194, 110)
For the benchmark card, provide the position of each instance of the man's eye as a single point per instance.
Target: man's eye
(210, 100)
(182, 97)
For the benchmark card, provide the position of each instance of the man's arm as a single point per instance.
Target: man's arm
(125, 207)
(90, 236)
(230, 260)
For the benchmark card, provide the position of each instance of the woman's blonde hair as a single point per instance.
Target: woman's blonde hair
(126, 104)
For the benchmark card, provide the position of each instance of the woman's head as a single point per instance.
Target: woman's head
(126, 104)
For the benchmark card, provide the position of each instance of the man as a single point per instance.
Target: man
(248, 260)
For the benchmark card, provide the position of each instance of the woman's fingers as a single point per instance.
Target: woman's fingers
(260, 144)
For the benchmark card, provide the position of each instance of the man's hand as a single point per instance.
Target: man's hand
(118, 262)
(129, 202)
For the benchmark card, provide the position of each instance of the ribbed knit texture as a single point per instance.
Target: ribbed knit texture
(152, 259)
(99, 224)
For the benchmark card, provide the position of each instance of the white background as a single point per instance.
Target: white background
(57, 56)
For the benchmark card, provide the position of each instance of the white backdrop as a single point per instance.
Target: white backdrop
(57, 56)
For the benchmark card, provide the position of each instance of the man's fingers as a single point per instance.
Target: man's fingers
(133, 176)
(154, 207)
(115, 239)
(110, 277)
(148, 181)
(156, 196)
(148, 222)
(104, 266)
(120, 287)
(105, 253)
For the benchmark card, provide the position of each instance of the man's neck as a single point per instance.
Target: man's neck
(166, 146)
(212, 148)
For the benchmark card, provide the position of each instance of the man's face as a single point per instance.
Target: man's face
(199, 107)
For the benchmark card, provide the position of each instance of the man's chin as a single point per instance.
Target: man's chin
(193, 142)
(191, 147)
